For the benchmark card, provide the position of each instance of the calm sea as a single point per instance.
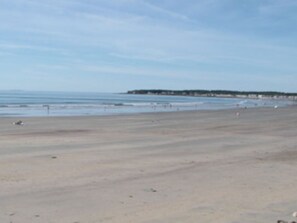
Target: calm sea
(24, 103)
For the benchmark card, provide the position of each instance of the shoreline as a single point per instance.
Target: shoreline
(149, 112)
(134, 114)
(187, 166)
(32, 104)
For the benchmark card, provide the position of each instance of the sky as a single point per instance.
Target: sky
(120, 45)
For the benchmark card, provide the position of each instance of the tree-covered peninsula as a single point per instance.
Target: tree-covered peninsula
(218, 93)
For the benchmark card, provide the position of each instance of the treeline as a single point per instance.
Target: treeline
(213, 93)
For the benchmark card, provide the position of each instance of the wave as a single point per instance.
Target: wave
(186, 104)
(126, 105)
(64, 106)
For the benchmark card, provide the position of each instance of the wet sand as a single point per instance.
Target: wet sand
(189, 167)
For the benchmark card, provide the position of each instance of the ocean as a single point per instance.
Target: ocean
(31, 104)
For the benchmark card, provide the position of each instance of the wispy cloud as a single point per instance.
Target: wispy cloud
(11, 46)
(278, 7)
(164, 11)
(192, 39)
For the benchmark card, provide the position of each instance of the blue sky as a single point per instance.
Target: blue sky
(119, 45)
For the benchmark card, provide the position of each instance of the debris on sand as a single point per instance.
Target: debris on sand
(294, 215)
(19, 122)
(153, 190)
(150, 190)
(281, 221)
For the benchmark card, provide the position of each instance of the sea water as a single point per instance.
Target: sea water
(25, 103)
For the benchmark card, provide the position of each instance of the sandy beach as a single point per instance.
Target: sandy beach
(182, 167)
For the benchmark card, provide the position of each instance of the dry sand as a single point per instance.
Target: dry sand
(206, 166)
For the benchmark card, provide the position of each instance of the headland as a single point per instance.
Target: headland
(220, 93)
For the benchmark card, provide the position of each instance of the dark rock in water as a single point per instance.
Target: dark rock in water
(281, 221)
(54, 157)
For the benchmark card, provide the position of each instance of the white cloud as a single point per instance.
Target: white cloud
(103, 35)
(12, 46)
